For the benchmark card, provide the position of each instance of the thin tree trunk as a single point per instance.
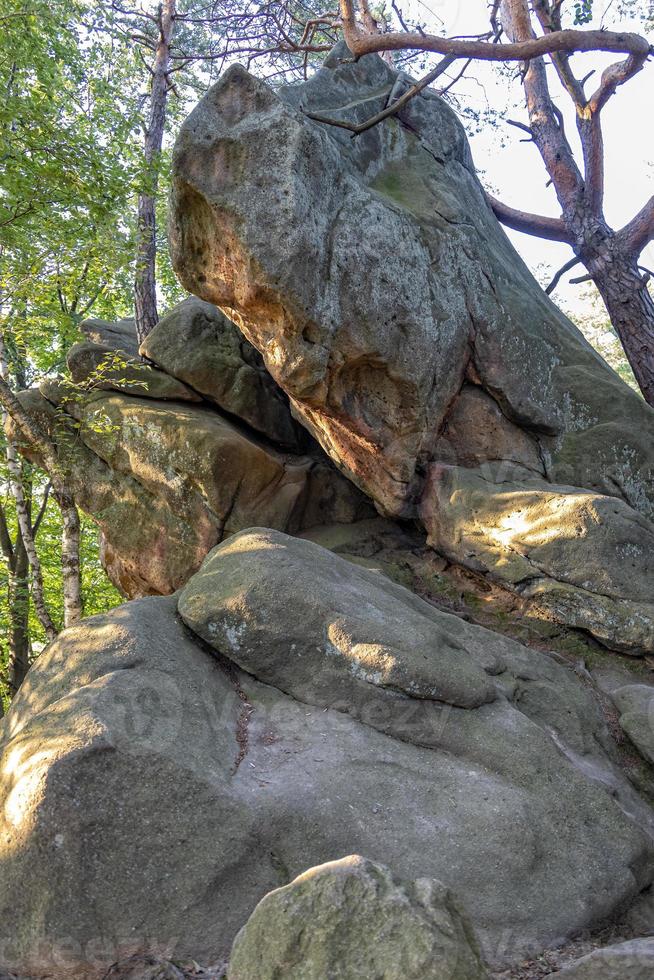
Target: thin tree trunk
(25, 525)
(19, 646)
(17, 564)
(70, 560)
(23, 514)
(145, 283)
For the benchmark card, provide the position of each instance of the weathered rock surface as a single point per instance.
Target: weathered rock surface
(116, 335)
(196, 343)
(166, 474)
(104, 368)
(165, 481)
(152, 793)
(633, 960)
(388, 303)
(635, 702)
(585, 558)
(348, 634)
(351, 918)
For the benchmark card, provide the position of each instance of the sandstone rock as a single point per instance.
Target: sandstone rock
(166, 481)
(587, 559)
(117, 334)
(349, 632)
(351, 918)
(106, 368)
(635, 702)
(196, 343)
(388, 303)
(152, 794)
(633, 960)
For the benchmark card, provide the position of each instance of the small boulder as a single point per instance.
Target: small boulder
(105, 368)
(633, 960)
(351, 919)
(119, 334)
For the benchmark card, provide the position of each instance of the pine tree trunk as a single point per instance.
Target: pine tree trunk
(631, 310)
(145, 281)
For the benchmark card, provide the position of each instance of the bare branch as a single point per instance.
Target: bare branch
(640, 230)
(520, 125)
(613, 76)
(562, 271)
(457, 78)
(545, 118)
(44, 503)
(531, 224)
(357, 128)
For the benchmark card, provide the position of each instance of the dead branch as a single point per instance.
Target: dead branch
(357, 128)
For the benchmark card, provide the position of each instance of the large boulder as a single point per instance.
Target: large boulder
(584, 558)
(351, 918)
(388, 303)
(153, 792)
(635, 702)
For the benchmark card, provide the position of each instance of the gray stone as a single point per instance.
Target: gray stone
(348, 634)
(585, 559)
(350, 919)
(632, 960)
(198, 344)
(117, 334)
(635, 702)
(166, 481)
(100, 367)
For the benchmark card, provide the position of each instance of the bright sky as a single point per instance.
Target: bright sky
(514, 171)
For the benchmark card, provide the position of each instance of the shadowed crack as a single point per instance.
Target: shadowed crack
(229, 669)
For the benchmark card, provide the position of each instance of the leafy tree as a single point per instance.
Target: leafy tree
(66, 141)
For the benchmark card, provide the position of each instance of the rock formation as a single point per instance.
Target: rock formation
(170, 768)
(413, 343)
(159, 778)
(167, 468)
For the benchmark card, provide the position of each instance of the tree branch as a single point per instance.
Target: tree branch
(640, 230)
(357, 128)
(531, 224)
(545, 118)
(562, 271)
(360, 42)
(616, 75)
(42, 509)
(6, 545)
